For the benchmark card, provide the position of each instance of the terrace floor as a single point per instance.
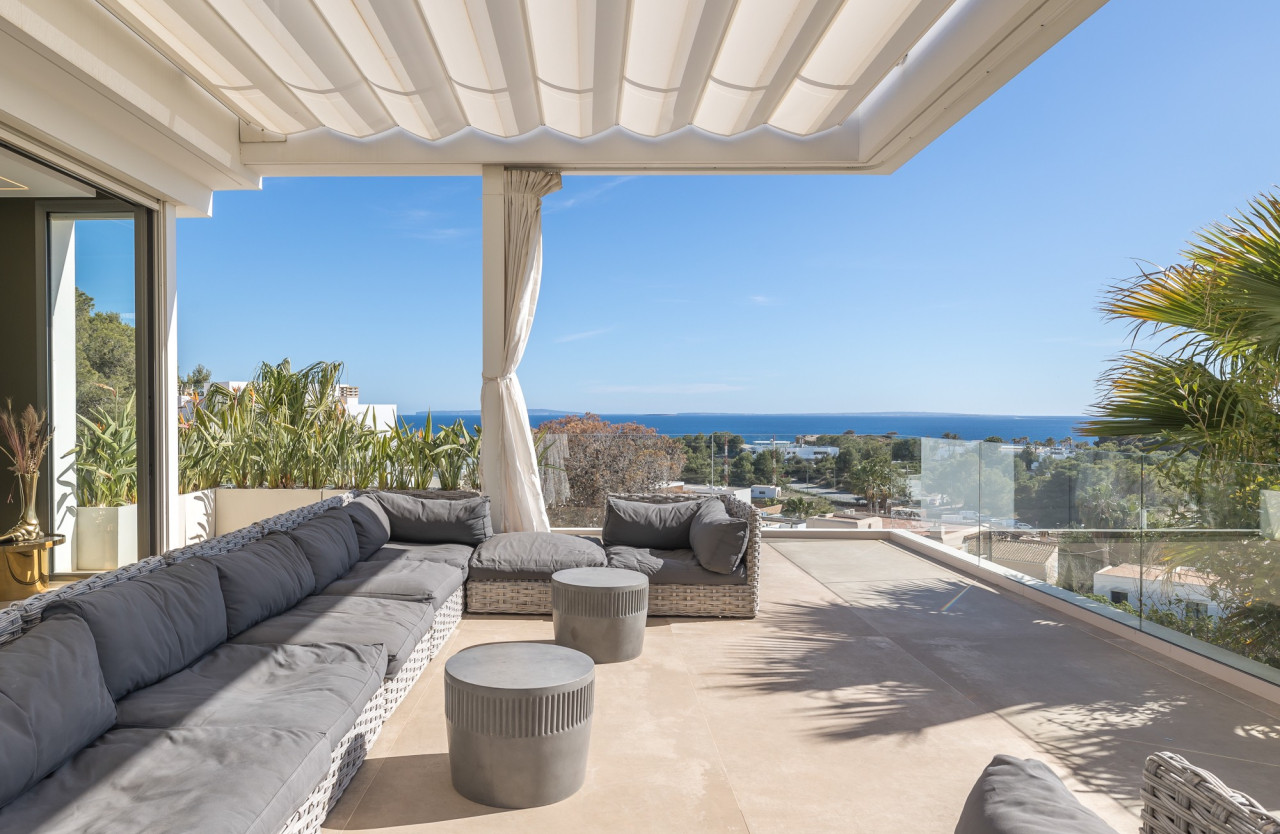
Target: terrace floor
(867, 696)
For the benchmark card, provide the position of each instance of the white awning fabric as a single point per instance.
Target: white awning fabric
(506, 67)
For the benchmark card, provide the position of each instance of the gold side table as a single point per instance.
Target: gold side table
(26, 567)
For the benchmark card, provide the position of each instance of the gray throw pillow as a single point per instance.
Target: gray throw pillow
(148, 628)
(53, 701)
(373, 529)
(718, 539)
(329, 542)
(1023, 796)
(437, 521)
(263, 579)
(641, 524)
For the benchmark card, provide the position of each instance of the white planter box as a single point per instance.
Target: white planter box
(235, 509)
(196, 517)
(1269, 522)
(106, 537)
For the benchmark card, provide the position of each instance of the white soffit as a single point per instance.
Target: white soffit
(598, 84)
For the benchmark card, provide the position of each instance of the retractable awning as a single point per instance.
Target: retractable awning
(280, 87)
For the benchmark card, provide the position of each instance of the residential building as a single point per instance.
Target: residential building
(1184, 591)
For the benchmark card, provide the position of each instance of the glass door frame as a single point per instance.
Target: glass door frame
(149, 369)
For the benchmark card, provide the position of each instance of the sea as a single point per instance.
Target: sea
(753, 427)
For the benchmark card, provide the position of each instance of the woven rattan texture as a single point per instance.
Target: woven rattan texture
(534, 596)
(1179, 798)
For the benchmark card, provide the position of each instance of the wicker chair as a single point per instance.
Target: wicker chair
(533, 596)
(1179, 798)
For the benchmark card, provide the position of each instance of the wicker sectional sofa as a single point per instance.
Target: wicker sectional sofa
(234, 685)
(679, 587)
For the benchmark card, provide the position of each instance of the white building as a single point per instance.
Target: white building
(795, 450)
(761, 491)
(1182, 590)
(743, 494)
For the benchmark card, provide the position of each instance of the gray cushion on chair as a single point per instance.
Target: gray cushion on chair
(190, 780)
(533, 556)
(437, 521)
(262, 579)
(718, 539)
(364, 621)
(148, 628)
(320, 689)
(641, 524)
(671, 567)
(412, 580)
(373, 529)
(53, 701)
(454, 555)
(329, 543)
(1023, 796)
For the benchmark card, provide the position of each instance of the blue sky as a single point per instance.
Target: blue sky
(968, 281)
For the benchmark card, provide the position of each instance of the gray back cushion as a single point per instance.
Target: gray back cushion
(641, 524)
(329, 542)
(373, 529)
(1023, 796)
(148, 628)
(53, 701)
(437, 521)
(263, 579)
(718, 539)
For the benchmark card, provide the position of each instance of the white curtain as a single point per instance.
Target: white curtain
(508, 461)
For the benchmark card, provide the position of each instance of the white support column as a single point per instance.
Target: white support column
(493, 222)
(493, 216)
(166, 400)
(62, 388)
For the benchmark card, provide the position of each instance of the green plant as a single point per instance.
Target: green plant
(106, 455)
(288, 429)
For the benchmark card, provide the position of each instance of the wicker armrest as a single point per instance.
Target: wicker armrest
(1179, 798)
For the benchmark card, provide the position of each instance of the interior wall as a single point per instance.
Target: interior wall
(21, 331)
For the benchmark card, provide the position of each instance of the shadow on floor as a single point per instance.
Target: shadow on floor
(900, 658)
(411, 790)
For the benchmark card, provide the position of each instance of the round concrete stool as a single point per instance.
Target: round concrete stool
(600, 611)
(519, 718)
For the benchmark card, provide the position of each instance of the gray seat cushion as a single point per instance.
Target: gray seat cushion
(1023, 796)
(262, 579)
(372, 527)
(394, 624)
(320, 689)
(718, 539)
(148, 628)
(189, 780)
(454, 555)
(53, 701)
(329, 543)
(437, 521)
(641, 524)
(671, 567)
(533, 555)
(412, 580)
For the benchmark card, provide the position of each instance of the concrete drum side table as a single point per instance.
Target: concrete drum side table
(519, 720)
(600, 611)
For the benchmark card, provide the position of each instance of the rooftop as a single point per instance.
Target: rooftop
(868, 694)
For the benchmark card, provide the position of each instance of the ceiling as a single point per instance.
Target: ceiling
(579, 67)
(22, 178)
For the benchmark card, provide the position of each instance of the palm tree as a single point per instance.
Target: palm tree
(1212, 391)
(1213, 385)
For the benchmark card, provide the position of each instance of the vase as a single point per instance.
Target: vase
(28, 527)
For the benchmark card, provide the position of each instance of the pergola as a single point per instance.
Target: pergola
(164, 102)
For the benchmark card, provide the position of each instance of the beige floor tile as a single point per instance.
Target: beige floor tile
(869, 703)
